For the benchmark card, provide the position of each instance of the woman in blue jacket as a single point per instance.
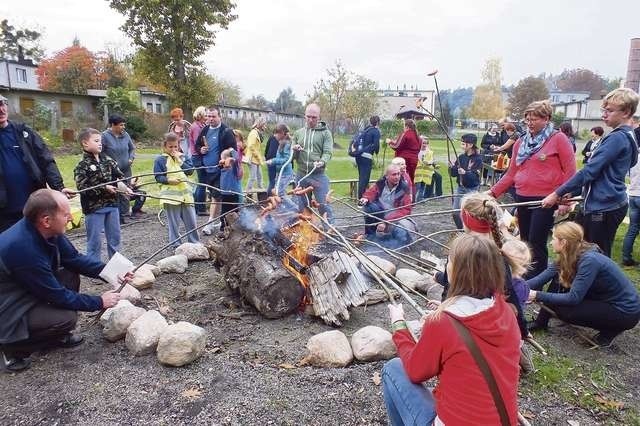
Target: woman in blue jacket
(588, 288)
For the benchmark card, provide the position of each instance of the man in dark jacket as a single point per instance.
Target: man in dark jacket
(270, 152)
(363, 151)
(26, 164)
(38, 301)
(214, 138)
(388, 199)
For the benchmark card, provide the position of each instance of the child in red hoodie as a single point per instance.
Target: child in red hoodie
(462, 395)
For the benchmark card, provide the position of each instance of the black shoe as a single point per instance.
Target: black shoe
(70, 341)
(122, 221)
(13, 364)
(203, 213)
(629, 262)
(602, 340)
(534, 326)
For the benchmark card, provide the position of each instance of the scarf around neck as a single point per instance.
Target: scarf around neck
(530, 145)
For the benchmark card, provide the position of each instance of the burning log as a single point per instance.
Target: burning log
(279, 263)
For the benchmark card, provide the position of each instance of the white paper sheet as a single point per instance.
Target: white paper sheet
(118, 265)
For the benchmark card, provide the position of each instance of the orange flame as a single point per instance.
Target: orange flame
(303, 236)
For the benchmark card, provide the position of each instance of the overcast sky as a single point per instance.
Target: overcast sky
(278, 43)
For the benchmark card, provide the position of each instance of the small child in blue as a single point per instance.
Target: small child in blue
(283, 155)
(519, 257)
(230, 182)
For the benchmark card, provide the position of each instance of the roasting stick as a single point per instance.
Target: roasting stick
(417, 203)
(154, 254)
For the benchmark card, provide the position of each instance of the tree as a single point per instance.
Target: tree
(19, 44)
(527, 90)
(259, 102)
(487, 97)
(172, 36)
(330, 93)
(71, 70)
(119, 100)
(581, 80)
(361, 100)
(109, 72)
(287, 102)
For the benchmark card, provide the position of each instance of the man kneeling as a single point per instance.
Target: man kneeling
(388, 199)
(39, 299)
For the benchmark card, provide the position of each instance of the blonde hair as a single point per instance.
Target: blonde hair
(260, 121)
(575, 246)
(199, 113)
(477, 269)
(540, 109)
(485, 207)
(399, 161)
(624, 98)
(238, 134)
(519, 256)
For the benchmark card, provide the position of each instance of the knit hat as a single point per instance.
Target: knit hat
(469, 138)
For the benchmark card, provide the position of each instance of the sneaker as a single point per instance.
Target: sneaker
(603, 341)
(13, 364)
(629, 262)
(210, 228)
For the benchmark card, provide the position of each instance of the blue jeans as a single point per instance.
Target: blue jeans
(407, 403)
(273, 176)
(364, 174)
(434, 189)
(461, 191)
(398, 236)
(106, 219)
(200, 192)
(634, 228)
(320, 183)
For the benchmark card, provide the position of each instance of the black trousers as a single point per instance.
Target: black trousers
(47, 324)
(364, 174)
(535, 225)
(229, 202)
(600, 228)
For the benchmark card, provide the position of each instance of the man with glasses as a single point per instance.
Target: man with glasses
(313, 145)
(214, 138)
(603, 177)
(26, 164)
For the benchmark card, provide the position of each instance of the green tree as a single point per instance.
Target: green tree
(119, 100)
(487, 97)
(581, 80)
(527, 90)
(172, 36)
(330, 93)
(259, 102)
(19, 44)
(287, 102)
(557, 118)
(361, 100)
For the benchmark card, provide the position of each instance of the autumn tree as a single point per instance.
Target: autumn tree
(109, 71)
(19, 44)
(71, 70)
(287, 102)
(581, 80)
(487, 97)
(527, 90)
(361, 100)
(172, 37)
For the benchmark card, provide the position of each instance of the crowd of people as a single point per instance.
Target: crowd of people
(489, 277)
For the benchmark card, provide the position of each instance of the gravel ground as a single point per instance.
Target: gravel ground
(248, 374)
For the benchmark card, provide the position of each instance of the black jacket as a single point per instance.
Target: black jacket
(226, 138)
(271, 149)
(42, 167)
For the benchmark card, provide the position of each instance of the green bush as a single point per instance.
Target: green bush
(136, 126)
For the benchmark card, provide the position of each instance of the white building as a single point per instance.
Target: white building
(392, 102)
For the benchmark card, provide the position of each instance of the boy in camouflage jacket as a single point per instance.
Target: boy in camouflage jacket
(99, 205)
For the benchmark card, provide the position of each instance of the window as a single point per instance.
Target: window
(149, 107)
(21, 75)
(26, 106)
(158, 108)
(66, 108)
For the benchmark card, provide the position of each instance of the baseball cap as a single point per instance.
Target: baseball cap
(469, 138)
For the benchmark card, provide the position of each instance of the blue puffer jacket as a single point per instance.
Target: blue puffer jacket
(603, 176)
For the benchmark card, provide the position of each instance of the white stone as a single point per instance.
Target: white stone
(412, 279)
(193, 251)
(433, 291)
(386, 265)
(181, 344)
(372, 343)
(177, 263)
(329, 349)
(116, 320)
(143, 333)
(144, 277)
(131, 294)
(154, 269)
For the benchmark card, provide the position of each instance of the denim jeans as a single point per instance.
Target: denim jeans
(285, 180)
(273, 176)
(200, 192)
(364, 174)
(255, 175)
(320, 183)
(461, 191)
(434, 189)
(407, 403)
(106, 219)
(634, 228)
(398, 236)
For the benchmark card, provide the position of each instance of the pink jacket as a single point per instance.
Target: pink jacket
(541, 173)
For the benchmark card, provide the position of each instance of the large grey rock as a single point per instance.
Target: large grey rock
(386, 265)
(412, 279)
(143, 333)
(116, 320)
(181, 343)
(177, 263)
(372, 343)
(144, 277)
(329, 349)
(193, 251)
